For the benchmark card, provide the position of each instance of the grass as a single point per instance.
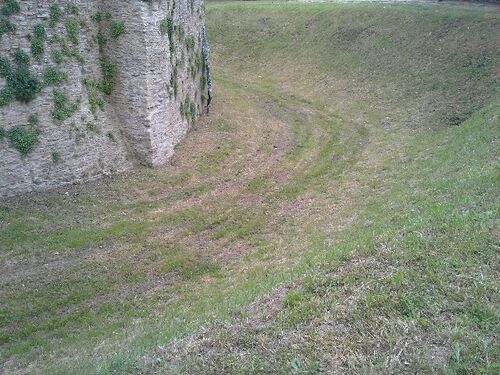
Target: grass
(341, 197)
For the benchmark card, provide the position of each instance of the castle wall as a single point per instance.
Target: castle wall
(134, 82)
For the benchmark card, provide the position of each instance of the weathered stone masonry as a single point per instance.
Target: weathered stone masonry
(96, 87)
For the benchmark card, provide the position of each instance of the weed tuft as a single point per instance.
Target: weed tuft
(53, 76)
(33, 119)
(54, 15)
(56, 157)
(38, 41)
(117, 28)
(63, 110)
(72, 30)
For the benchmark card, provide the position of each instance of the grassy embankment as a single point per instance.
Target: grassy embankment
(347, 179)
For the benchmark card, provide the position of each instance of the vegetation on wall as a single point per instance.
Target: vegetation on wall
(53, 76)
(33, 119)
(93, 90)
(56, 157)
(58, 37)
(10, 7)
(99, 16)
(117, 28)
(5, 26)
(55, 15)
(109, 73)
(21, 85)
(66, 50)
(72, 30)
(63, 109)
(101, 40)
(96, 87)
(23, 139)
(90, 126)
(173, 81)
(105, 85)
(187, 108)
(167, 28)
(38, 41)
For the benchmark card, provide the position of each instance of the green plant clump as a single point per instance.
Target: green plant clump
(117, 28)
(62, 110)
(92, 127)
(57, 56)
(109, 72)
(23, 139)
(74, 10)
(72, 28)
(6, 26)
(167, 26)
(186, 108)
(190, 43)
(55, 15)
(21, 58)
(56, 157)
(10, 7)
(38, 41)
(101, 41)
(192, 111)
(93, 89)
(53, 76)
(174, 81)
(66, 50)
(33, 119)
(99, 16)
(20, 83)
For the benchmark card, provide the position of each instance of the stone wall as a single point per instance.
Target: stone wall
(95, 87)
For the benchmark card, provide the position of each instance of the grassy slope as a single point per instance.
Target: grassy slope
(332, 170)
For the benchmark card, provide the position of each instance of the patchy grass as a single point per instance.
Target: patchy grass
(337, 210)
